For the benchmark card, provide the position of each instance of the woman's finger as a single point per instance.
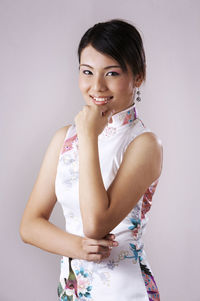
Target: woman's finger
(110, 236)
(104, 242)
(98, 249)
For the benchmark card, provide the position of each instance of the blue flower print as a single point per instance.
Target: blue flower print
(84, 286)
(135, 223)
(135, 252)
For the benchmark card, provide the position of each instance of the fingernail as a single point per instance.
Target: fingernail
(115, 243)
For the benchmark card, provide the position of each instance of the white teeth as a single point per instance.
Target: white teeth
(101, 99)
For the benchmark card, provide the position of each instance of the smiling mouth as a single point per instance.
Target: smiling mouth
(101, 99)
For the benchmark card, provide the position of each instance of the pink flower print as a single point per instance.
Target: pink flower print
(128, 117)
(84, 283)
(135, 232)
(134, 227)
(71, 284)
(147, 199)
(68, 144)
(108, 131)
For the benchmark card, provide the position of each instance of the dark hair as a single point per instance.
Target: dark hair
(120, 40)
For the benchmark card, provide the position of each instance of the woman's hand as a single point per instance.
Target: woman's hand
(92, 119)
(96, 250)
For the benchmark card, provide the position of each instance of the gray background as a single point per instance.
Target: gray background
(39, 94)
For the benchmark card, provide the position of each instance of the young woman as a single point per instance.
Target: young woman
(103, 170)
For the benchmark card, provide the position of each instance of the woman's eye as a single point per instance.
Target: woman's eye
(87, 72)
(113, 73)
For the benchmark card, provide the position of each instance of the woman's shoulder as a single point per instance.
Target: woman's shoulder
(143, 136)
(140, 132)
(59, 137)
(61, 132)
(149, 137)
(147, 147)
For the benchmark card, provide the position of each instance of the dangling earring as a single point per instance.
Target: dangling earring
(138, 95)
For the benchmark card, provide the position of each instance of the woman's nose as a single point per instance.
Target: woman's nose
(99, 84)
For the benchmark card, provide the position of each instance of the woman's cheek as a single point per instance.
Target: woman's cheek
(121, 85)
(83, 84)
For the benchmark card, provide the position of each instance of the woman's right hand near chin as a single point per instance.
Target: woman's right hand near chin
(96, 250)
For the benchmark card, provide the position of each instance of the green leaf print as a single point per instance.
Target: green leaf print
(59, 289)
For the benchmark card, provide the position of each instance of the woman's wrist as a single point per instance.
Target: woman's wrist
(85, 139)
(79, 251)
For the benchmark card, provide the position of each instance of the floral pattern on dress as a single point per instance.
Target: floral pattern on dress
(77, 285)
(147, 199)
(149, 281)
(67, 291)
(135, 226)
(130, 116)
(68, 143)
(92, 269)
(84, 284)
(151, 287)
(134, 249)
(72, 173)
(112, 263)
(108, 131)
(69, 157)
(137, 252)
(121, 118)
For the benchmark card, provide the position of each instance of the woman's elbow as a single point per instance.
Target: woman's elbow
(23, 233)
(93, 232)
(90, 234)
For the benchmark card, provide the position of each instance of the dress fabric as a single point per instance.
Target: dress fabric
(126, 274)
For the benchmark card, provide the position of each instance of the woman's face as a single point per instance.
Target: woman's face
(101, 78)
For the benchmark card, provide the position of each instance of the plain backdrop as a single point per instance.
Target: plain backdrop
(39, 94)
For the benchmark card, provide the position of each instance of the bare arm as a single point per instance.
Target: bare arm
(35, 228)
(103, 210)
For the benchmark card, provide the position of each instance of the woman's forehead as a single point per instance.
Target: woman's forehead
(90, 56)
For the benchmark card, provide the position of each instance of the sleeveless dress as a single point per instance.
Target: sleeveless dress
(126, 274)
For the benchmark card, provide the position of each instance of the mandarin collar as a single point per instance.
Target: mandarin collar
(119, 120)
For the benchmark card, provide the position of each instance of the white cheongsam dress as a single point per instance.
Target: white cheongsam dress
(126, 274)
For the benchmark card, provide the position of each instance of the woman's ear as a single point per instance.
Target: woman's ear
(138, 80)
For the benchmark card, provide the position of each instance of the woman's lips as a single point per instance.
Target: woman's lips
(100, 101)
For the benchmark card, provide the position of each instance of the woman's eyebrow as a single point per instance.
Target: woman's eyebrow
(108, 67)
